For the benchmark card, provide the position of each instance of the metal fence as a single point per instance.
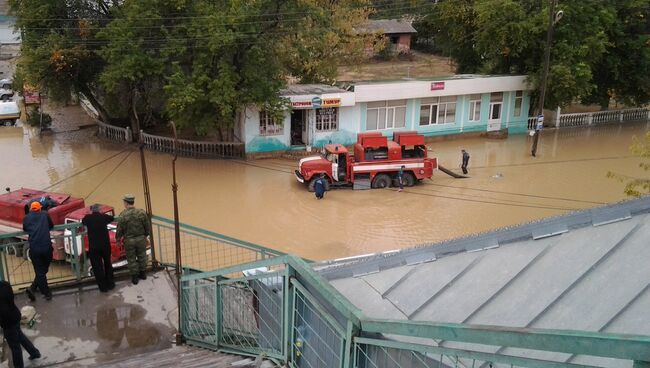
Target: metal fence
(283, 309)
(194, 148)
(70, 262)
(113, 133)
(203, 249)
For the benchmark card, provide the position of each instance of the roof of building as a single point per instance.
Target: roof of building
(389, 26)
(310, 89)
(586, 271)
(434, 78)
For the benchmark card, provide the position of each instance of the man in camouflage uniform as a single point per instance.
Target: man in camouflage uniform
(133, 229)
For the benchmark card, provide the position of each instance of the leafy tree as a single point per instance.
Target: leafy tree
(637, 186)
(592, 44)
(195, 62)
(135, 60)
(57, 52)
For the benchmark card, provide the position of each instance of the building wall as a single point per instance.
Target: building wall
(404, 43)
(347, 132)
(256, 143)
(352, 119)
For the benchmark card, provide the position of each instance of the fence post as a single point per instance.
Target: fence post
(590, 118)
(76, 261)
(129, 135)
(287, 329)
(3, 262)
(558, 115)
(218, 309)
(620, 116)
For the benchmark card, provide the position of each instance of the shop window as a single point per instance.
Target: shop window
(386, 115)
(268, 125)
(474, 107)
(327, 119)
(519, 99)
(438, 110)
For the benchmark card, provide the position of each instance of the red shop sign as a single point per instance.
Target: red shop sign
(436, 86)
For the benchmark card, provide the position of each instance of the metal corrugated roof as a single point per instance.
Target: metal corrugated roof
(310, 89)
(593, 277)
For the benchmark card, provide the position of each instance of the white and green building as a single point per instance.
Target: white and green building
(321, 114)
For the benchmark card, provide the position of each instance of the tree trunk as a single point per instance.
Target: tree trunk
(135, 120)
(103, 115)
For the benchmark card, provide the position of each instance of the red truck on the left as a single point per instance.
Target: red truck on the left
(14, 205)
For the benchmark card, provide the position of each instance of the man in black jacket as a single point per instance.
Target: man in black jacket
(100, 247)
(10, 323)
(38, 224)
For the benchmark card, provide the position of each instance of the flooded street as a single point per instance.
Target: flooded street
(261, 202)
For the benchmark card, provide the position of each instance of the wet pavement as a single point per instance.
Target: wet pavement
(84, 327)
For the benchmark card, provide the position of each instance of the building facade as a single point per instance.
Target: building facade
(322, 114)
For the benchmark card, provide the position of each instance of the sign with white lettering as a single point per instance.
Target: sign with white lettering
(437, 86)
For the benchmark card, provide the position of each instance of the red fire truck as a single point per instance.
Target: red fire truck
(15, 204)
(375, 163)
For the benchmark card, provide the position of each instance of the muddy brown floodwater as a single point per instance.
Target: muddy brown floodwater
(261, 202)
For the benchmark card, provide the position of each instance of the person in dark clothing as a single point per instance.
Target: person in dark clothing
(100, 247)
(10, 323)
(400, 178)
(465, 162)
(319, 187)
(38, 224)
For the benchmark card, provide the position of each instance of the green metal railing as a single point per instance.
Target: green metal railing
(286, 311)
(202, 250)
(73, 265)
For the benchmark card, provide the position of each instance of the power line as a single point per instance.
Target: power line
(517, 194)
(84, 170)
(101, 182)
(386, 6)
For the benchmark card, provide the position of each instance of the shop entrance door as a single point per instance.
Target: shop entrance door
(298, 126)
(494, 119)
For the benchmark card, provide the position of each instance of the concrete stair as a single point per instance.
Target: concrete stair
(183, 356)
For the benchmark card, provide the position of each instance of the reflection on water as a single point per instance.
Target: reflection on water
(260, 201)
(125, 324)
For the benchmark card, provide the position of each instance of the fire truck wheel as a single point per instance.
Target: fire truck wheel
(381, 181)
(409, 179)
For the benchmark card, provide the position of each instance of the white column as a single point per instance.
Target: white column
(558, 114)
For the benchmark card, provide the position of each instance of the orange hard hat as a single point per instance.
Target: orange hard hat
(35, 206)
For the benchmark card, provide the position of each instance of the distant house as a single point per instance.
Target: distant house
(397, 31)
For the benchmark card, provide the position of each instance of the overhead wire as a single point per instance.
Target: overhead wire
(85, 170)
(517, 194)
(103, 181)
(386, 5)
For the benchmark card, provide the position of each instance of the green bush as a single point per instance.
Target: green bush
(34, 118)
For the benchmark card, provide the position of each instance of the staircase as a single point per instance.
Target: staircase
(175, 357)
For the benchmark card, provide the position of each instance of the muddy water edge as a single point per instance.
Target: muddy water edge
(261, 202)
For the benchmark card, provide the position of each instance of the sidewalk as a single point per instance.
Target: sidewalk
(84, 327)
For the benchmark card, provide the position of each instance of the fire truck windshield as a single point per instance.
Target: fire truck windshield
(332, 157)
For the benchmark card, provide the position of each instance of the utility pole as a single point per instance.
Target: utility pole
(177, 236)
(147, 202)
(553, 18)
